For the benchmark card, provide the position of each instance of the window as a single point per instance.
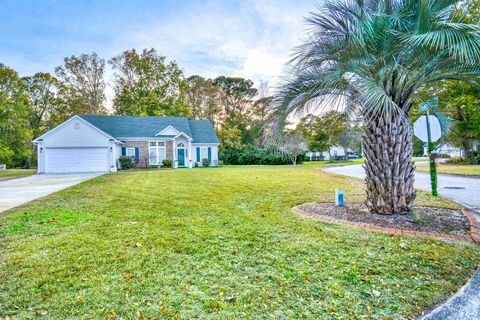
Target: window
(130, 152)
(156, 152)
(203, 153)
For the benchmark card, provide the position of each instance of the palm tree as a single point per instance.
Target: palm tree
(372, 57)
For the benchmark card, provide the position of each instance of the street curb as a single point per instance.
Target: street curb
(474, 236)
(474, 225)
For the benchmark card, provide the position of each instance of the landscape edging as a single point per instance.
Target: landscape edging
(474, 236)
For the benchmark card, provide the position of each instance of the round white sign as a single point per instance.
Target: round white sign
(420, 128)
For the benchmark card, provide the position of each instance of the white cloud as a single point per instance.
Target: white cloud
(254, 41)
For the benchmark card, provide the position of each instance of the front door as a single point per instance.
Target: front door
(181, 157)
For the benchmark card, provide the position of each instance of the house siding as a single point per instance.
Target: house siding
(214, 152)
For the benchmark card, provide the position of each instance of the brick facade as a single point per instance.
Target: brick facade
(143, 151)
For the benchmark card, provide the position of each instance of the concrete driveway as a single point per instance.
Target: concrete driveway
(19, 191)
(465, 190)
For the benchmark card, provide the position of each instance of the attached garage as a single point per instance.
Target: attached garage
(60, 160)
(77, 146)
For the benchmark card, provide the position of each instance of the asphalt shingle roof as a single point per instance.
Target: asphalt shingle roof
(145, 127)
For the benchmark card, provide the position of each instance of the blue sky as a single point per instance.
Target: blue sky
(239, 38)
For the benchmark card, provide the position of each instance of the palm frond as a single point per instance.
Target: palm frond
(372, 56)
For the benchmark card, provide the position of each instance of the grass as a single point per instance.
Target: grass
(353, 161)
(15, 173)
(333, 163)
(215, 243)
(459, 169)
(420, 159)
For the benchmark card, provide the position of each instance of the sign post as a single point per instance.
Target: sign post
(428, 129)
(433, 167)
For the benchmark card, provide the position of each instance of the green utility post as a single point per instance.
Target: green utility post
(431, 156)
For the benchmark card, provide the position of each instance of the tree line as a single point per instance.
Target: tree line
(144, 84)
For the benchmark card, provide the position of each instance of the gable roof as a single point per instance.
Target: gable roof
(148, 126)
(202, 130)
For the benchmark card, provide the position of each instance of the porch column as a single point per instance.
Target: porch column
(190, 162)
(174, 163)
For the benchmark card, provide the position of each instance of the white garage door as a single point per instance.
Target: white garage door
(64, 160)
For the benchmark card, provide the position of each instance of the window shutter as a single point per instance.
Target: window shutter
(198, 154)
(137, 154)
(124, 151)
(209, 154)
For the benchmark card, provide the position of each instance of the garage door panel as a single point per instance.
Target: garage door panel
(64, 160)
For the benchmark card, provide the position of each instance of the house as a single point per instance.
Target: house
(92, 143)
(446, 149)
(336, 153)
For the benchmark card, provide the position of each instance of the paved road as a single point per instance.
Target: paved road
(461, 189)
(19, 191)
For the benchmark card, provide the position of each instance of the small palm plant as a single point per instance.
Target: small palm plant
(372, 57)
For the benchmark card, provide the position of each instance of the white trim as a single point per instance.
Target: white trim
(144, 139)
(157, 152)
(184, 155)
(190, 153)
(76, 117)
(80, 147)
(206, 151)
(129, 148)
(168, 127)
(184, 134)
(209, 143)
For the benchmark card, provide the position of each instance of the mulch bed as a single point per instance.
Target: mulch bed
(424, 219)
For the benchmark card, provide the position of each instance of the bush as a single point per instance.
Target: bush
(167, 163)
(458, 160)
(197, 165)
(206, 162)
(251, 155)
(125, 162)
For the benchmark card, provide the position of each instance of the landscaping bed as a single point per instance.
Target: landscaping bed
(424, 219)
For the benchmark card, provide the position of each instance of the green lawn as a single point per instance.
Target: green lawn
(334, 163)
(15, 173)
(353, 161)
(216, 243)
(460, 169)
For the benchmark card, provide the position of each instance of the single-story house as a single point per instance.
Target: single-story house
(93, 143)
(446, 149)
(337, 153)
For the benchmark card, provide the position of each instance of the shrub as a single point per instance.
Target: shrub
(458, 160)
(197, 165)
(167, 163)
(251, 155)
(125, 162)
(206, 162)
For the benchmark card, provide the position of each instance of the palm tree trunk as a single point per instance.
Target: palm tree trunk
(389, 169)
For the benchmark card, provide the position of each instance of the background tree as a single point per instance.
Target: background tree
(83, 79)
(14, 111)
(145, 85)
(373, 57)
(204, 99)
(47, 108)
(461, 101)
(350, 139)
(325, 131)
(237, 100)
(293, 146)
